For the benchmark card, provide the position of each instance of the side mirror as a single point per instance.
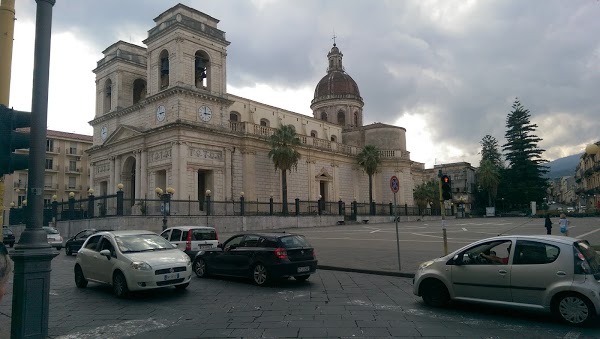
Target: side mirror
(220, 245)
(456, 260)
(106, 253)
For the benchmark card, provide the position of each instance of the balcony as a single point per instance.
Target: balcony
(54, 168)
(55, 150)
(50, 187)
(72, 188)
(19, 184)
(73, 170)
(74, 151)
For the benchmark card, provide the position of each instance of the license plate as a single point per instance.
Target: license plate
(171, 276)
(205, 246)
(303, 269)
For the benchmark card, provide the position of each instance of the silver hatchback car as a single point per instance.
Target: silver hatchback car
(549, 273)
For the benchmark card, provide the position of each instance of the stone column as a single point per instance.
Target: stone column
(144, 174)
(249, 179)
(182, 180)
(112, 186)
(92, 173)
(138, 172)
(229, 173)
(175, 166)
(117, 173)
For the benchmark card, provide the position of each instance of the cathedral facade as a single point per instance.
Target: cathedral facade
(164, 119)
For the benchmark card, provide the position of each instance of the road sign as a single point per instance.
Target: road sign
(394, 184)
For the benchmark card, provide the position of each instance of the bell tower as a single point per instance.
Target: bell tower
(186, 49)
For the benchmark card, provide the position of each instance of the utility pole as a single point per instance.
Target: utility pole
(443, 213)
(32, 255)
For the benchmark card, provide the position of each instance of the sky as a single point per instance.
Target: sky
(446, 70)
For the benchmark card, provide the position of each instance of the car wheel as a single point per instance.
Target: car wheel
(80, 280)
(120, 285)
(435, 293)
(182, 286)
(11, 244)
(260, 275)
(574, 309)
(302, 277)
(68, 250)
(199, 268)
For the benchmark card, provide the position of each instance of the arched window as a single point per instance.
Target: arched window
(313, 134)
(333, 138)
(341, 118)
(107, 96)
(139, 90)
(201, 69)
(324, 116)
(265, 122)
(164, 69)
(355, 118)
(234, 116)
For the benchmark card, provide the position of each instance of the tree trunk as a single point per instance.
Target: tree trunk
(284, 191)
(370, 188)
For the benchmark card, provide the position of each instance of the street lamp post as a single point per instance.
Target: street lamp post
(166, 203)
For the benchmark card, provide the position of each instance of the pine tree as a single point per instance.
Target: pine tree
(523, 179)
(488, 173)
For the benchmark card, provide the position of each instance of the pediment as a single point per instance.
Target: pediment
(323, 174)
(123, 132)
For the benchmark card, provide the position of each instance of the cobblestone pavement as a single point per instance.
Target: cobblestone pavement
(330, 304)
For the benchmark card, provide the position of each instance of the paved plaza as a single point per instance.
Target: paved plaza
(331, 304)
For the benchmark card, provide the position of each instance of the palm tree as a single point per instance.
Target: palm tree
(426, 192)
(369, 160)
(488, 176)
(284, 142)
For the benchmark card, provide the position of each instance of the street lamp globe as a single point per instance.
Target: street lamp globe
(208, 192)
(242, 194)
(120, 186)
(170, 190)
(91, 191)
(54, 197)
(71, 194)
(24, 202)
(158, 191)
(12, 204)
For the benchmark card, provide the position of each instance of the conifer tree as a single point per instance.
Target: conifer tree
(523, 180)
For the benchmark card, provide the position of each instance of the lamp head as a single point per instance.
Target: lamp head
(71, 194)
(120, 186)
(170, 190)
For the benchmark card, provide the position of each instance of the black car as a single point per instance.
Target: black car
(263, 257)
(75, 242)
(8, 236)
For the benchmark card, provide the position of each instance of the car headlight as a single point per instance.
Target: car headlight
(188, 261)
(426, 264)
(140, 265)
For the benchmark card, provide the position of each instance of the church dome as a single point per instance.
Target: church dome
(336, 84)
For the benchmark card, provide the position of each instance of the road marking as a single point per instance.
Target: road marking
(572, 335)
(464, 229)
(127, 328)
(588, 233)
(375, 231)
(466, 241)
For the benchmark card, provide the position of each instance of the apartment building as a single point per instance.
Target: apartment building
(67, 170)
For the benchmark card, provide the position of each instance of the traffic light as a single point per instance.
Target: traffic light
(446, 187)
(11, 140)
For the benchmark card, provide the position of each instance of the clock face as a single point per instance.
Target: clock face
(103, 132)
(205, 113)
(160, 113)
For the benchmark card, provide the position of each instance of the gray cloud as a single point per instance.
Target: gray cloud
(463, 65)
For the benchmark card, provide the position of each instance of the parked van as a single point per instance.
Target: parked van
(191, 239)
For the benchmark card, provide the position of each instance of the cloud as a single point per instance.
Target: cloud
(449, 70)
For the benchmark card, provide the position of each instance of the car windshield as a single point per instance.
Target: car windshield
(7, 231)
(142, 243)
(51, 230)
(591, 256)
(294, 241)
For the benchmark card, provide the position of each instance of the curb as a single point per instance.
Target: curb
(357, 270)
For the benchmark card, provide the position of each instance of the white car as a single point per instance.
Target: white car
(131, 261)
(549, 273)
(192, 239)
(53, 236)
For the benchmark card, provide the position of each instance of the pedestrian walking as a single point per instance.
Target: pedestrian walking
(548, 224)
(5, 269)
(563, 222)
